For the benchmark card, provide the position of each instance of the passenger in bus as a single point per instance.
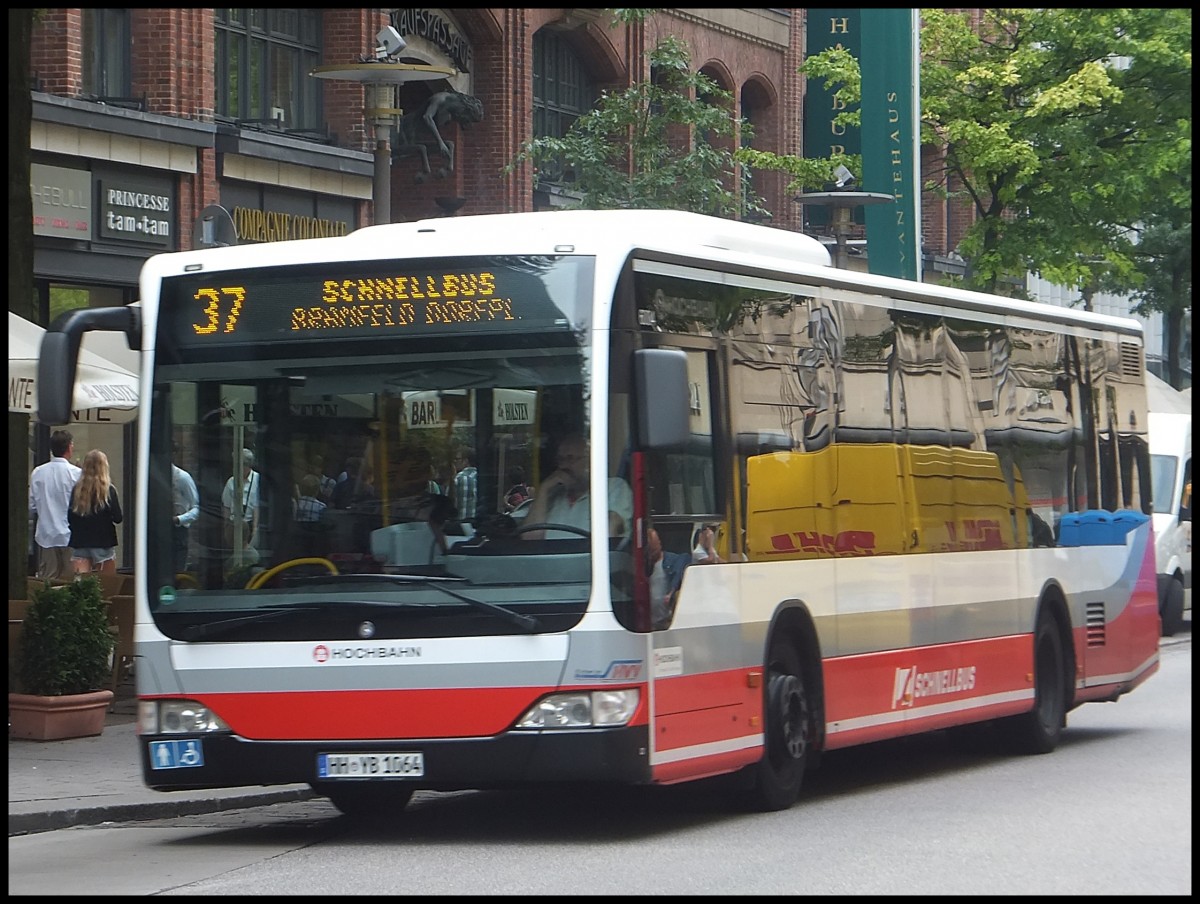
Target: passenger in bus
(440, 510)
(562, 498)
(704, 551)
(325, 483)
(665, 572)
(466, 484)
(518, 490)
(309, 507)
(359, 485)
(245, 512)
(185, 502)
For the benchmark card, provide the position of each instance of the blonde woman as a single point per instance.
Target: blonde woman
(95, 512)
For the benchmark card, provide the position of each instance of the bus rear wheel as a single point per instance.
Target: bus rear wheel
(1172, 608)
(366, 799)
(788, 717)
(1039, 730)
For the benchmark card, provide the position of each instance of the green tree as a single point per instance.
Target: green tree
(839, 69)
(666, 142)
(1059, 127)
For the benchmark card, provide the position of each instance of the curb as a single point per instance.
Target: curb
(51, 820)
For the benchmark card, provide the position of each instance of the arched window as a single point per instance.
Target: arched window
(562, 91)
(263, 57)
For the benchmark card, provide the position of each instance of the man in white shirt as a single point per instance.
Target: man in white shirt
(563, 497)
(50, 486)
(245, 509)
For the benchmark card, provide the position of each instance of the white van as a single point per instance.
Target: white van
(1171, 485)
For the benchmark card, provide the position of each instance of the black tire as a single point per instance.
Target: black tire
(1038, 731)
(789, 731)
(1172, 608)
(366, 799)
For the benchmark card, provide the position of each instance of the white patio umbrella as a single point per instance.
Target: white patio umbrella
(105, 392)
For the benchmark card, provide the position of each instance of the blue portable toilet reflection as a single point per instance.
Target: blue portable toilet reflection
(1091, 528)
(1125, 520)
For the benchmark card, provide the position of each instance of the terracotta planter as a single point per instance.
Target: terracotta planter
(37, 718)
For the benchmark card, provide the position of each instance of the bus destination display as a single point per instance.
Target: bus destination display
(257, 305)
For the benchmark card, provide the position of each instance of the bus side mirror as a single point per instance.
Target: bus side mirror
(663, 398)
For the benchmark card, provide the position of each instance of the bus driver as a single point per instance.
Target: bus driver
(562, 498)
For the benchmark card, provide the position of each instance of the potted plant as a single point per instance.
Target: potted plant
(64, 661)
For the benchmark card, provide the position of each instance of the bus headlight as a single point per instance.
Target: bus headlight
(177, 717)
(594, 709)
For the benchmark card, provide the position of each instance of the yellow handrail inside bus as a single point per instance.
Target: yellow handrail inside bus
(262, 577)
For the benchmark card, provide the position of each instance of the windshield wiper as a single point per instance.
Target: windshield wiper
(225, 625)
(526, 623)
(375, 579)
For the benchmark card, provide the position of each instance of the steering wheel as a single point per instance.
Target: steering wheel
(548, 525)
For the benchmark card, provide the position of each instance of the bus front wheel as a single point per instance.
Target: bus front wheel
(788, 718)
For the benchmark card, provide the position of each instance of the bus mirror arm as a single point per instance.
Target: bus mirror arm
(59, 354)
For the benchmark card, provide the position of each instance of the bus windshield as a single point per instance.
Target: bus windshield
(357, 443)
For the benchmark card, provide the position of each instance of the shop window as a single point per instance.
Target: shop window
(107, 47)
(263, 57)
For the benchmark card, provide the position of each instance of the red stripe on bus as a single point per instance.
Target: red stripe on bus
(905, 681)
(372, 714)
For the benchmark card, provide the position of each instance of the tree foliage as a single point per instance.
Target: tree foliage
(1063, 129)
(1164, 258)
(839, 69)
(666, 142)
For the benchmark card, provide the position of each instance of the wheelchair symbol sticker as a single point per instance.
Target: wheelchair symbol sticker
(176, 754)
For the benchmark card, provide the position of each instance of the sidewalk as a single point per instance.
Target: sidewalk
(87, 781)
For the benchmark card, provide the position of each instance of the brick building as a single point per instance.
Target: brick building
(146, 119)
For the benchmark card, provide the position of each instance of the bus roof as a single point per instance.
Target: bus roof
(618, 234)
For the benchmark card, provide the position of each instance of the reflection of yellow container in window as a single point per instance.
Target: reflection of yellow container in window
(881, 498)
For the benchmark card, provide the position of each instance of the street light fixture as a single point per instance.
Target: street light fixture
(382, 77)
(842, 202)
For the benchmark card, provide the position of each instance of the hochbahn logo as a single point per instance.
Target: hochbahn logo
(911, 684)
(322, 653)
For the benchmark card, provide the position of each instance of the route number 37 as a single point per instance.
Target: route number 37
(233, 296)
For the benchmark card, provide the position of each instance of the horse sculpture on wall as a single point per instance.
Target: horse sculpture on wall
(438, 110)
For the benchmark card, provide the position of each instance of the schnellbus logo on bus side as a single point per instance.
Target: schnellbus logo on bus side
(911, 684)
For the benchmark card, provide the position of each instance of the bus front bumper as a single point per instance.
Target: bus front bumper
(515, 758)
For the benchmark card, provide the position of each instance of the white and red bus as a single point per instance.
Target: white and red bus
(929, 508)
